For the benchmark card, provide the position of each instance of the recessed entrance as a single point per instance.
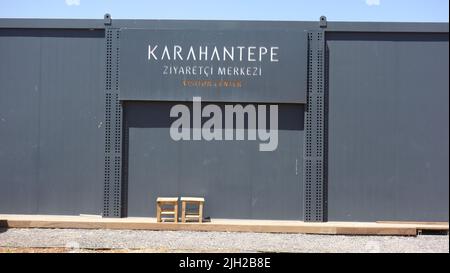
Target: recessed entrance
(236, 179)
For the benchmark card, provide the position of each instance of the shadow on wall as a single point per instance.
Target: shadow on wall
(3, 225)
(157, 114)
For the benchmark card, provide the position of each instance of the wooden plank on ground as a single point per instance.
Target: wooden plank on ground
(345, 228)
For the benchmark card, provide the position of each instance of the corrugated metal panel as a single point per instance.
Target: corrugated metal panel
(388, 127)
(19, 123)
(52, 135)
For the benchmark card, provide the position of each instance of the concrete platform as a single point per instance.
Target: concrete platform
(137, 223)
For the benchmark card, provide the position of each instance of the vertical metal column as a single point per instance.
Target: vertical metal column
(315, 131)
(113, 125)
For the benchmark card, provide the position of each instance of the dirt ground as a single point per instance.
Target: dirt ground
(146, 241)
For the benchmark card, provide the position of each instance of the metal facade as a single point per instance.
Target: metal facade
(112, 195)
(314, 165)
(372, 137)
(388, 126)
(51, 121)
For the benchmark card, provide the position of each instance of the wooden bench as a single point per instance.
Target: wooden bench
(167, 206)
(198, 202)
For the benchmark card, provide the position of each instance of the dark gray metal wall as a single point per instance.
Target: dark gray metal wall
(388, 126)
(51, 121)
(236, 179)
(287, 75)
(376, 138)
(314, 169)
(112, 190)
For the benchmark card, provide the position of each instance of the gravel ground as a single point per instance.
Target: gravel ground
(76, 240)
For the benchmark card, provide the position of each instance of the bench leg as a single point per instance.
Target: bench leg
(183, 212)
(200, 212)
(158, 213)
(175, 216)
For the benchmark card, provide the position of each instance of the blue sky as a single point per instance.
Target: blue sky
(335, 10)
